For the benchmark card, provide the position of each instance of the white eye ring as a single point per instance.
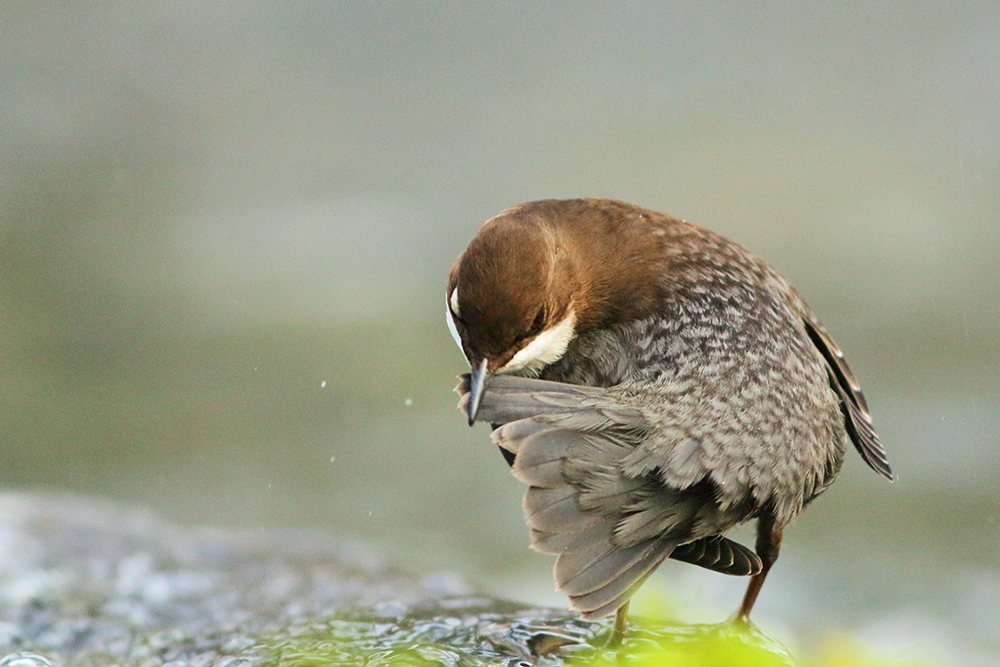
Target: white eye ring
(451, 324)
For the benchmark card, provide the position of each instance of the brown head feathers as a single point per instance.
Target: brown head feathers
(536, 264)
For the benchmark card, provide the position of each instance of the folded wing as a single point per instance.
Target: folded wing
(608, 530)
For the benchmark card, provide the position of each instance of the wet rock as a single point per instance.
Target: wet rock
(88, 582)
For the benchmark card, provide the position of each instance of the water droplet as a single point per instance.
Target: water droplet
(24, 659)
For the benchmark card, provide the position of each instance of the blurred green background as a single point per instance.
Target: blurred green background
(225, 230)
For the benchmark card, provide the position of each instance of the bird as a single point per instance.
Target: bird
(654, 384)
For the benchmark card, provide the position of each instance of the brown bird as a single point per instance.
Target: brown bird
(654, 384)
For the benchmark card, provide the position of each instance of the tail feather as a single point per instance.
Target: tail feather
(597, 567)
(622, 589)
(732, 557)
(614, 592)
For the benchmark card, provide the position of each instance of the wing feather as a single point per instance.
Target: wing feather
(853, 405)
(609, 529)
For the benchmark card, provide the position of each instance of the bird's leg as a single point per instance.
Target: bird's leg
(768, 546)
(620, 627)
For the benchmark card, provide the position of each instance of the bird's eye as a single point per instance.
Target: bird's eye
(539, 322)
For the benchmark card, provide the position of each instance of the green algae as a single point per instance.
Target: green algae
(480, 634)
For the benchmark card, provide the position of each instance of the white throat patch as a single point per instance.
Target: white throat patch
(546, 348)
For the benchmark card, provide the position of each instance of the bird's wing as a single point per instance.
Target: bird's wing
(857, 418)
(609, 530)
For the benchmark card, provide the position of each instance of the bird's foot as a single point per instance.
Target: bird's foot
(619, 629)
(740, 621)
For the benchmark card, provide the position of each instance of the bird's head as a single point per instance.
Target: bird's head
(512, 298)
(539, 274)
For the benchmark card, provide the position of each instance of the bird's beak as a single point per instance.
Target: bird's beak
(477, 383)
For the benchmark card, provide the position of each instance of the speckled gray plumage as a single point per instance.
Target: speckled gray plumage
(725, 373)
(701, 393)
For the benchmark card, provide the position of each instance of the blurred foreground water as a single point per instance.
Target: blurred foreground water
(86, 583)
